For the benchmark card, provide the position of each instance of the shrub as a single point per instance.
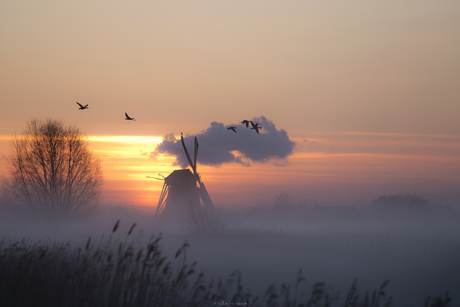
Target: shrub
(202, 220)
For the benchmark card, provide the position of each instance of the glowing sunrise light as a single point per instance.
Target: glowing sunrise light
(126, 138)
(127, 163)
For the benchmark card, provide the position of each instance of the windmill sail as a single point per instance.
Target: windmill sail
(187, 155)
(205, 197)
(195, 154)
(162, 200)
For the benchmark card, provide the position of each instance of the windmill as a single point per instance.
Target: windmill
(182, 188)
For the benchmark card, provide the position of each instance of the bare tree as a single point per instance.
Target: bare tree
(282, 200)
(202, 220)
(52, 171)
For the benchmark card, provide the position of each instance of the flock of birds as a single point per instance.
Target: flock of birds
(86, 107)
(247, 122)
(233, 128)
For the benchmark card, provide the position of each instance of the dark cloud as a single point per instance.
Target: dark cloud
(217, 145)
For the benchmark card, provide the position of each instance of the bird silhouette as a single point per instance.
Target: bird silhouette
(256, 127)
(129, 118)
(233, 128)
(246, 122)
(82, 107)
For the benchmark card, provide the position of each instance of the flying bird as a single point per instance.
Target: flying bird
(82, 107)
(256, 127)
(233, 128)
(129, 118)
(246, 122)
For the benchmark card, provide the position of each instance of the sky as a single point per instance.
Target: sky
(357, 99)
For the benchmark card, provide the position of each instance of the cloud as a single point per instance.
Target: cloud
(217, 145)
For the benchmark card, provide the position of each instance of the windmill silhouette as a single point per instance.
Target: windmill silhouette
(182, 188)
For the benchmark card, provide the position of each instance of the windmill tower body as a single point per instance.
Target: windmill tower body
(182, 189)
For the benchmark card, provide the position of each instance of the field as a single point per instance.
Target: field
(281, 262)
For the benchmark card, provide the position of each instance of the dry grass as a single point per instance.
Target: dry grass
(122, 272)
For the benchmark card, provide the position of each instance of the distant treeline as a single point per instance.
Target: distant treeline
(399, 205)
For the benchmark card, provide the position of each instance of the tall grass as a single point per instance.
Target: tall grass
(121, 272)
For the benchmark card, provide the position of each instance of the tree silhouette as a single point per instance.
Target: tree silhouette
(52, 171)
(282, 200)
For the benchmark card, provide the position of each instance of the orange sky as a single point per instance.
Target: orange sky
(336, 169)
(368, 90)
(333, 168)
